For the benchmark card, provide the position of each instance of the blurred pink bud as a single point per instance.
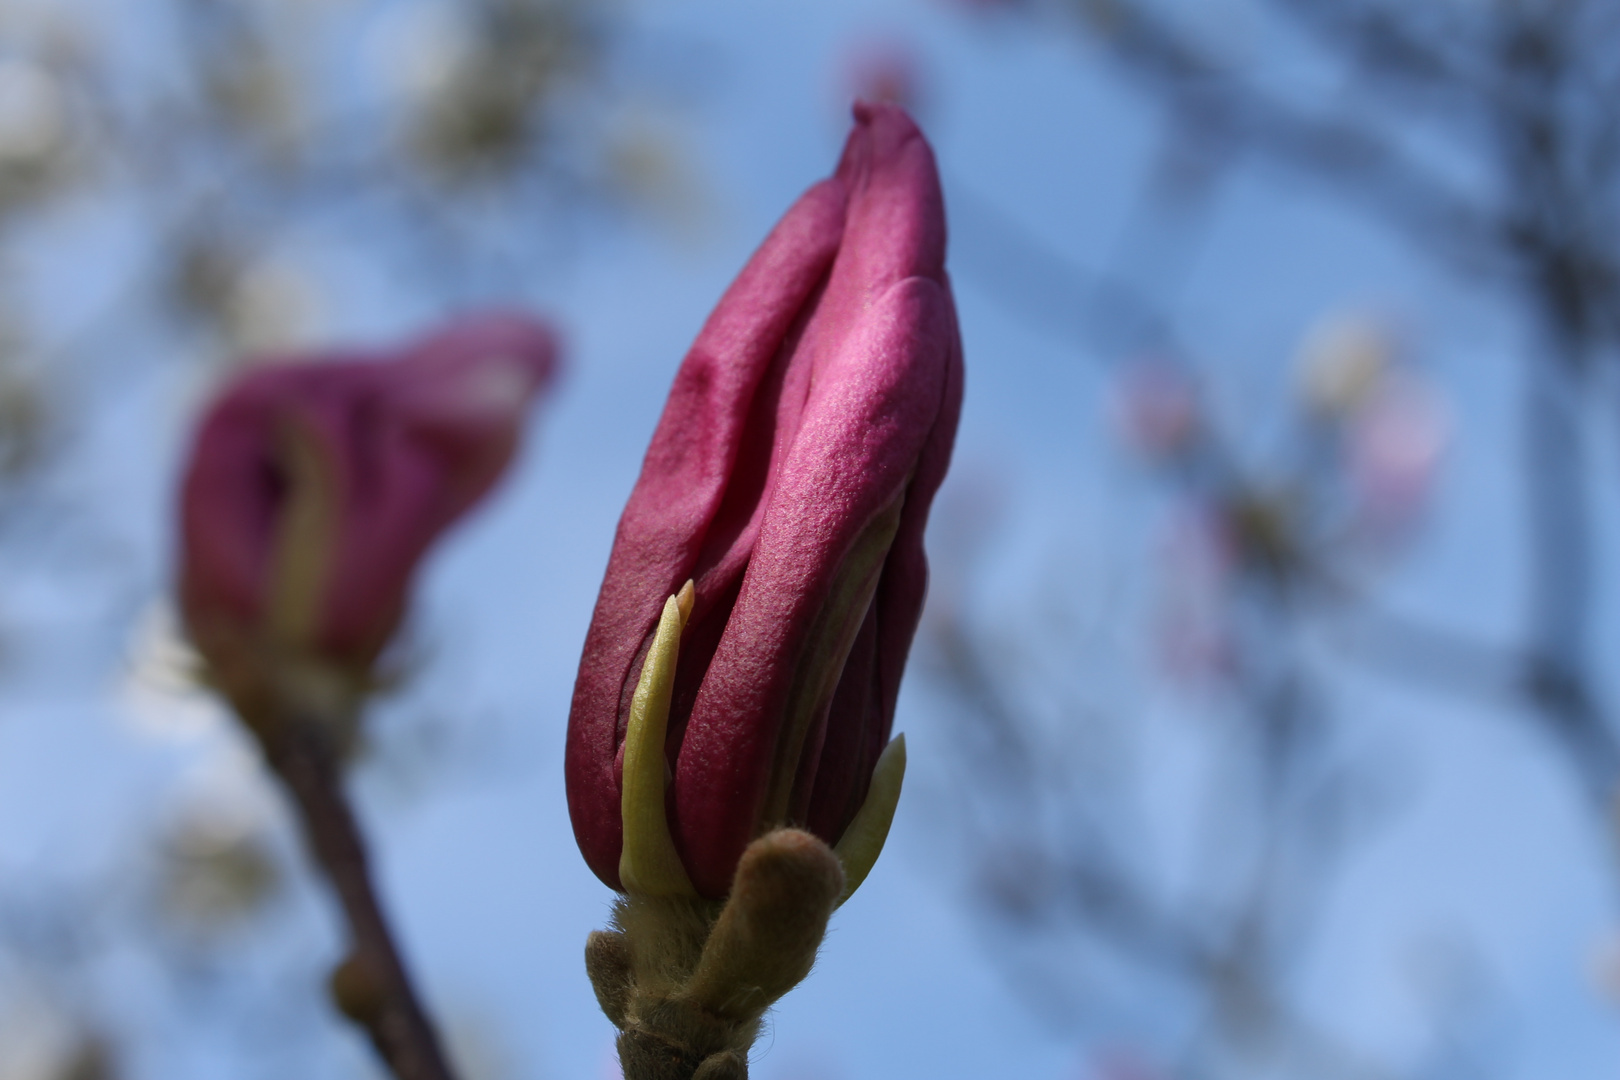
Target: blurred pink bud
(1201, 555)
(989, 5)
(790, 478)
(886, 72)
(1395, 445)
(1603, 962)
(1119, 1064)
(1157, 407)
(314, 489)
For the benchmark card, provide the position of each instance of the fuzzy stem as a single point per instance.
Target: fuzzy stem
(686, 981)
(372, 986)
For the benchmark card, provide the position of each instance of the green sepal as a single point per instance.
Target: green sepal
(648, 861)
(863, 840)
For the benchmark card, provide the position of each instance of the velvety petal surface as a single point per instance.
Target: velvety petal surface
(813, 403)
(685, 478)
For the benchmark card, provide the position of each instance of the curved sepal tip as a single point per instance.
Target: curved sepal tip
(862, 842)
(649, 863)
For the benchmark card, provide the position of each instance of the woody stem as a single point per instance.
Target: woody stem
(379, 996)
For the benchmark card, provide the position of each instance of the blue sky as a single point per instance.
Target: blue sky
(481, 870)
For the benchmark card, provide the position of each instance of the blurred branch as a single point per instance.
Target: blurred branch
(1425, 653)
(147, 185)
(1447, 659)
(1350, 157)
(1424, 47)
(1030, 278)
(1023, 272)
(1485, 134)
(371, 985)
(1083, 880)
(1545, 232)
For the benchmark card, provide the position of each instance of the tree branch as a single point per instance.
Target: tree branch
(1347, 155)
(371, 986)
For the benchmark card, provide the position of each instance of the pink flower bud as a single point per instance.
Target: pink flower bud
(314, 489)
(789, 479)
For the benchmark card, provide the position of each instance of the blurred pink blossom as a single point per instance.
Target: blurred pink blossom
(1194, 640)
(988, 5)
(1603, 964)
(887, 72)
(1394, 446)
(1122, 1064)
(314, 489)
(1156, 406)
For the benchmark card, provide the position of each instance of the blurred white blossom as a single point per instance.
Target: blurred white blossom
(161, 690)
(33, 112)
(421, 50)
(1341, 362)
(40, 1040)
(271, 307)
(219, 863)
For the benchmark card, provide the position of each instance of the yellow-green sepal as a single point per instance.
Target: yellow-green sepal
(863, 840)
(648, 861)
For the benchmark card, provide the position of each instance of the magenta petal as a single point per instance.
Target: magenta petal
(682, 484)
(875, 402)
(409, 442)
(824, 389)
(233, 489)
(426, 445)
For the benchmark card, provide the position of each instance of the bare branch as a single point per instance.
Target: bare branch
(372, 985)
(1350, 157)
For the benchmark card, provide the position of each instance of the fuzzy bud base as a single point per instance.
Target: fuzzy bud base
(688, 980)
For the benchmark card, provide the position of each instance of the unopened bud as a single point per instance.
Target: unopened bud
(357, 989)
(765, 940)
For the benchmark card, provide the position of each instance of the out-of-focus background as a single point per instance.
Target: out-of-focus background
(1262, 721)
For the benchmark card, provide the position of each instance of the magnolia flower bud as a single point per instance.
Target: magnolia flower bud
(314, 489)
(788, 483)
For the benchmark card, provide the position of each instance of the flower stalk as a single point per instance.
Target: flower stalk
(313, 492)
(371, 986)
(687, 980)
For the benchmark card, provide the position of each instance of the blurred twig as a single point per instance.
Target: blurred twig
(371, 985)
(1484, 134)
